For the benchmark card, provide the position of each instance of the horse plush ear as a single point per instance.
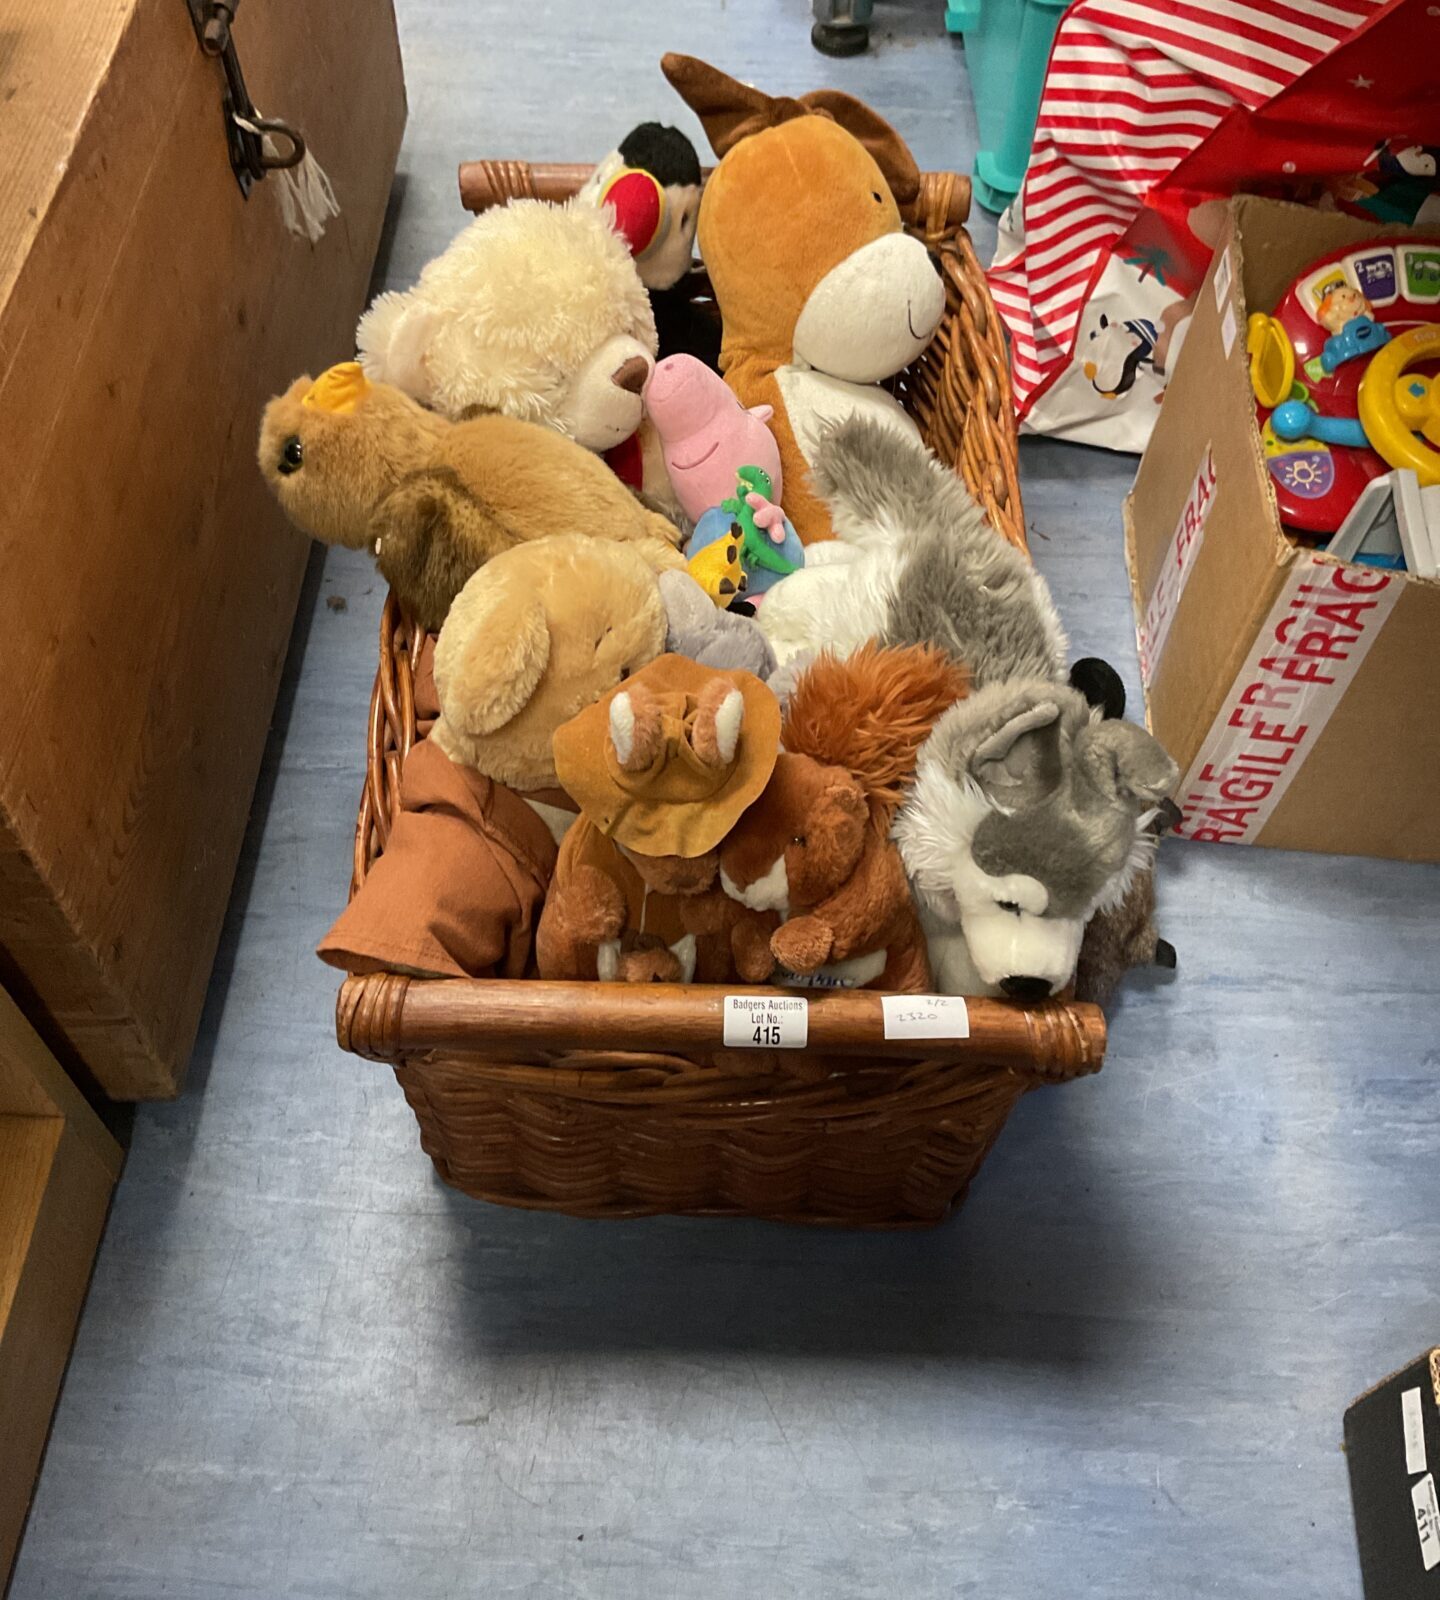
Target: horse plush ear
(715, 736)
(728, 110)
(891, 153)
(731, 111)
(636, 734)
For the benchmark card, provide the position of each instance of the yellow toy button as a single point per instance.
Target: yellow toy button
(1272, 359)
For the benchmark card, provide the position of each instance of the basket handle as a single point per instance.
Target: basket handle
(941, 205)
(386, 1017)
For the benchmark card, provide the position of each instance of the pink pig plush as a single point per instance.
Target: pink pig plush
(706, 434)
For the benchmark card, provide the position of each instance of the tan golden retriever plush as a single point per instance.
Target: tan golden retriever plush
(534, 637)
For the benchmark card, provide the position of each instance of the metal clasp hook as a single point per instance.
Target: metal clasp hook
(245, 129)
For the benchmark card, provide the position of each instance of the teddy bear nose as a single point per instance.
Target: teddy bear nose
(631, 374)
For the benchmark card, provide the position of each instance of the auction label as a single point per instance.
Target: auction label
(925, 1016)
(1427, 1520)
(1414, 1421)
(766, 1022)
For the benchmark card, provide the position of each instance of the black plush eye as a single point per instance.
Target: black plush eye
(875, 196)
(292, 456)
(799, 839)
(1010, 906)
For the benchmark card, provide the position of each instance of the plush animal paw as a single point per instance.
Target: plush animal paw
(650, 966)
(803, 944)
(768, 516)
(718, 720)
(592, 907)
(754, 959)
(636, 733)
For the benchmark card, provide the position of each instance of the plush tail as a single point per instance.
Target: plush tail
(876, 480)
(891, 700)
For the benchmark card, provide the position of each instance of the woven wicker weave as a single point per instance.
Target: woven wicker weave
(604, 1100)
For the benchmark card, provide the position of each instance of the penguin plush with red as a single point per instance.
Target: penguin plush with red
(651, 186)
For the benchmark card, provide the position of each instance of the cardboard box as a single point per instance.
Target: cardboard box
(1392, 1446)
(1300, 695)
(147, 310)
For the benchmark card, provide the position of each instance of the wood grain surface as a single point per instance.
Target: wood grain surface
(153, 579)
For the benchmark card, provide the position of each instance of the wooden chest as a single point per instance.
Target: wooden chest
(147, 310)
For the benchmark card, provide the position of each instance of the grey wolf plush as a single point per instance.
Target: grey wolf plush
(1030, 811)
(913, 562)
(1121, 937)
(1029, 815)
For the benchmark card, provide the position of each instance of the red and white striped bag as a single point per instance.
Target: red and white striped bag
(1101, 251)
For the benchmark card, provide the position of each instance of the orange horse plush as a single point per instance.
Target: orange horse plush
(822, 293)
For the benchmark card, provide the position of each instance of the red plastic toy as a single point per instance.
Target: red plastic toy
(1338, 301)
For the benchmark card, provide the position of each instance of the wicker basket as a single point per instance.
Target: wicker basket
(604, 1100)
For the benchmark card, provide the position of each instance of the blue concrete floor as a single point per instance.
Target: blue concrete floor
(306, 1369)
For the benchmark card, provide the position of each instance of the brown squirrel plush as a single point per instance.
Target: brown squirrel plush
(660, 768)
(361, 464)
(815, 848)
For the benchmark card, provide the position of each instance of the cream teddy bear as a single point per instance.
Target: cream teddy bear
(536, 311)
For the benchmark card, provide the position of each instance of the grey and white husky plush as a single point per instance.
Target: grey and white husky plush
(913, 561)
(1030, 811)
(1029, 815)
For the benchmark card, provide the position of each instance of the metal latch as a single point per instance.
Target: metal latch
(246, 130)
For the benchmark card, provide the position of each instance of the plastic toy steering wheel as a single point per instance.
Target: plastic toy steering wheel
(1395, 406)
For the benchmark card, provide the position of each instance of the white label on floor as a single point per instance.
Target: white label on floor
(766, 1022)
(1304, 658)
(1427, 1520)
(1414, 1431)
(925, 1016)
(1179, 560)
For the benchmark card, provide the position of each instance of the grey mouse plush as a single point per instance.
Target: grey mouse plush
(1032, 811)
(699, 629)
